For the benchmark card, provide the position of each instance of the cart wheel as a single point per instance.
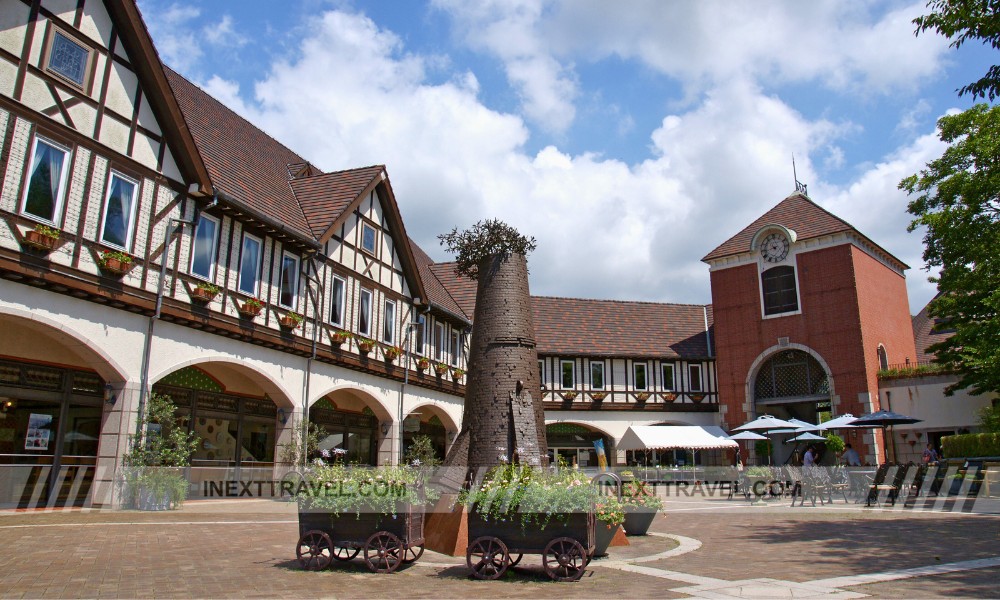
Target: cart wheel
(383, 552)
(412, 553)
(564, 559)
(513, 563)
(487, 557)
(314, 550)
(345, 553)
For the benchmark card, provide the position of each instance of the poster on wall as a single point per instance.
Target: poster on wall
(37, 437)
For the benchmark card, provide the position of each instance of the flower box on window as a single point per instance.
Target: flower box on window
(291, 320)
(42, 238)
(113, 262)
(642, 396)
(457, 373)
(250, 308)
(441, 369)
(569, 396)
(204, 292)
(391, 353)
(598, 396)
(669, 396)
(338, 337)
(423, 364)
(365, 345)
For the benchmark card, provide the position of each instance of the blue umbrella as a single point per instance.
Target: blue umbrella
(885, 419)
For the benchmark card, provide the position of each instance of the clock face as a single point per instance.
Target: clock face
(774, 248)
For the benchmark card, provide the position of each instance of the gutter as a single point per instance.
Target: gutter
(304, 238)
(449, 313)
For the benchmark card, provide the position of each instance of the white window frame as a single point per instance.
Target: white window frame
(790, 261)
(133, 205)
(635, 376)
(256, 270)
(673, 376)
(601, 365)
(389, 322)
(367, 314)
(63, 178)
(456, 347)
(213, 249)
(701, 382)
(337, 300)
(439, 341)
(281, 279)
(541, 372)
(562, 374)
(361, 242)
(420, 338)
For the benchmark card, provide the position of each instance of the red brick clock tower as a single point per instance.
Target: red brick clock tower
(806, 309)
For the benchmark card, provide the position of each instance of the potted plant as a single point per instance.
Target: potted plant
(204, 292)
(250, 307)
(423, 364)
(697, 397)
(598, 396)
(291, 320)
(441, 369)
(391, 353)
(642, 396)
(42, 238)
(669, 396)
(457, 373)
(154, 465)
(114, 262)
(569, 396)
(640, 504)
(339, 337)
(610, 515)
(365, 345)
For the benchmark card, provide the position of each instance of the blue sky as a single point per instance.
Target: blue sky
(629, 138)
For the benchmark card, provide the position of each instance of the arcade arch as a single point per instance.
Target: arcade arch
(352, 420)
(573, 442)
(431, 421)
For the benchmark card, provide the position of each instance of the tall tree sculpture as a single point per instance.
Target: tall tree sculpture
(502, 420)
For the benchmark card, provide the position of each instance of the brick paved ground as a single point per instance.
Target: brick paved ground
(246, 549)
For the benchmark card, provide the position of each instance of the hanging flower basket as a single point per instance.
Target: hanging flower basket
(250, 308)
(204, 292)
(669, 396)
(456, 373)
(365, 345)
(113, 262)
(423, 364)
(42, 238)
(338, 337)
(697, 397)
(441, 369)
(642, 396)
(598, 396)
(570, 396)
(391, 353)
(291, 320)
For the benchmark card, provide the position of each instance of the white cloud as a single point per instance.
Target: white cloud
(180, 38)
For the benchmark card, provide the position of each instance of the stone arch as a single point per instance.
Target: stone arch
(442, 435)
(369, 399)
(272, 387)
(766, 355)
(439, 412)
(581, 450)
(96, 357)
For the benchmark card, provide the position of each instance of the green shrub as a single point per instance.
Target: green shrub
(971, 445)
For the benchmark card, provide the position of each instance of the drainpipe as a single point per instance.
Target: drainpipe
(317, 304)
(708, 337)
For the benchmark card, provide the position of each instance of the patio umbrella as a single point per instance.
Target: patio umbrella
(747, 435)
(807, 437)
(842, 422)
(885, 419)
(767, 424)
(800, 426)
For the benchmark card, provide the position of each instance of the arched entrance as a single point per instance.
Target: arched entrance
(574, 444)
(432, 422)
(55, 394)
(791, 383)
(353, 422)
(237, 420)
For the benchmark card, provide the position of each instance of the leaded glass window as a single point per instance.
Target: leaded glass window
(68, 59)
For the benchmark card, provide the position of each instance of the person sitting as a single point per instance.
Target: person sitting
(851, 457)
(930, 455)
(809, 459)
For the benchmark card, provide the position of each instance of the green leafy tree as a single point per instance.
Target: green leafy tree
(962, 21)
(484, 239)
(989, 418)
(956, 199)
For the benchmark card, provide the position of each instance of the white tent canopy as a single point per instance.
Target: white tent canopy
(669, 437)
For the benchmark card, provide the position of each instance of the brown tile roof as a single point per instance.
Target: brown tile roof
(246, 165)
(796, 212)
(566, 326)
(923, 335)
(436, 292)
(323, 198)
(462, 289)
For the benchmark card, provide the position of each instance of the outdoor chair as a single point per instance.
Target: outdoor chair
(915, 486)
(892, 488)
(839, 483)
(877, 481)
(793, 487)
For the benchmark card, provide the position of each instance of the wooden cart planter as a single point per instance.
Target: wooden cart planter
(566, 545)
(386, 541)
